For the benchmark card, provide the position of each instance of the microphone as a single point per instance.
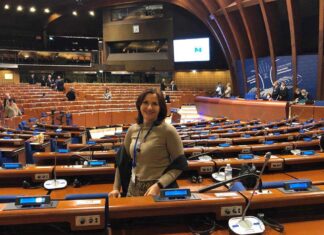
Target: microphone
(55, 183)
(321, 144)
(249, 224)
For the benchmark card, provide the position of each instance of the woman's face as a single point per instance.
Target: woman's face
(150, 108)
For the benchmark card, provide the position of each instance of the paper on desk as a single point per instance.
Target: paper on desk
(88, 202)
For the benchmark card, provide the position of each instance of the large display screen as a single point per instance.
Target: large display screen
(191, 50)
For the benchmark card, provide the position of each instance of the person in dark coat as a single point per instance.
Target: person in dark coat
(283, 92)
(71, 94)
(275, 90)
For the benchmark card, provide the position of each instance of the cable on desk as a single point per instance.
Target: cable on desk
(203, 225)
(271, 223)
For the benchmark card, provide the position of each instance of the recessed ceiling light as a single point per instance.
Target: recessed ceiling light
(7, 7)
(47, 10)
(32, 9)
(92, 13)
(75, 13)
(19, 8)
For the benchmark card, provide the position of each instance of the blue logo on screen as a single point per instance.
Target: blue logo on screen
(198, 49)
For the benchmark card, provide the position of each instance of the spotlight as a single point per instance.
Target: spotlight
(7, 7)
(19, 8)
(92, 13)
(75, 13)
(32, 9)
(47, 10)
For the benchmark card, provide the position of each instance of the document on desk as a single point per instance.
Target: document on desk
(88, 202)
(226, 194)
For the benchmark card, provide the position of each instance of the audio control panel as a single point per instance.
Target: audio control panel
(231, 210)
(87, 220)
(41, 176)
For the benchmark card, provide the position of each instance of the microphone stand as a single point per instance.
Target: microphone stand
(55, 183)
(249, 224)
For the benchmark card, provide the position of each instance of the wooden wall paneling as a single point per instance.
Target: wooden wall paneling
(293, 40)
(238, 40)
(320, 63)
(265, 16)
(252, 41)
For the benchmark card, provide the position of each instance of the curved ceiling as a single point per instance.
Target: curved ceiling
(245, 29)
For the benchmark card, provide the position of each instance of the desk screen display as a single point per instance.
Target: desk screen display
(176, 193)
(298, 186)
(32, 201)
(246, 156)
(97, 163)
(11, 165)
(307, 152)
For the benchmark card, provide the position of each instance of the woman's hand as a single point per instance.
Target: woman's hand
(115, 193)
(154, 190)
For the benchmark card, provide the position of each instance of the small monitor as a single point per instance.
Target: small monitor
(246, 156)
(32, 201)
(224, 145)
(95, 163)
(307, 152)
(298, 185)
(175, 193)
(11, 165)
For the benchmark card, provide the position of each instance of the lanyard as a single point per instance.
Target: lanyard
(137, 149)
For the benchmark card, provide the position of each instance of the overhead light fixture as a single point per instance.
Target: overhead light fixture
(19, 8)
(92, 13)
(32, 9)
(47, 10)
(6, 7)
(75, 13)
(194, 71)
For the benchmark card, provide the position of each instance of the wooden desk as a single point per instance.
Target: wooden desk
(23, 191)
(66, 211)
(274, 163)
(316, 176)
(242, 109)
(84, 189)
(47, 158)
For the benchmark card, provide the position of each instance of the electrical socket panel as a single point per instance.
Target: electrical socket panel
(206, 169)
(87, 220)
(42, 176)
(231, 210)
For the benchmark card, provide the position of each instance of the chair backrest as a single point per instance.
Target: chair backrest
(237, 187)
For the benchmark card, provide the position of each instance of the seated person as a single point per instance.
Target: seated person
(12, 110)
(107, 94)
(303, 96)
(71, 94)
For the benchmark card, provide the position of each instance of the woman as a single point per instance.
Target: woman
(12, 110)
(153, 146)
(228, 91)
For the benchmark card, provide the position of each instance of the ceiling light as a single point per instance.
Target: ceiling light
(19, 8)
(32, 9)
(47, 10)
(75, 13)
(92, 13)
(7, 7)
